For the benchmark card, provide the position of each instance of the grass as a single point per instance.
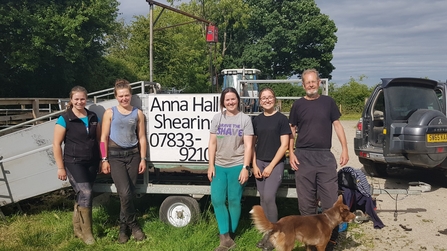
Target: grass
(351, 116)
(47, 226)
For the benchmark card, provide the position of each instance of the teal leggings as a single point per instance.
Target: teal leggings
(224, 184)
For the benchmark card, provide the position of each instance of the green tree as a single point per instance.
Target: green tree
(286, 90)
(284, 38)
(231, 17)
(46, 47)
(351, 96)
(180, 53)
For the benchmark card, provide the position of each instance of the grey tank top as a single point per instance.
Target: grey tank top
(123, 128)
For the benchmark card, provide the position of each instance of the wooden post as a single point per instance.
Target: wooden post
(36, 112)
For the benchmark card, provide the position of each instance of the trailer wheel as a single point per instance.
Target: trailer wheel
(179, 211)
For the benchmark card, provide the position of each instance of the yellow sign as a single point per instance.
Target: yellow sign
(436, 138)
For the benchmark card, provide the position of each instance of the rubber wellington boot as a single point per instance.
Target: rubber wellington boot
(76, 222)
(86, 225)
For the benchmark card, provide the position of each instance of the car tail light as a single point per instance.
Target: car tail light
(360, 125)
(364, 154)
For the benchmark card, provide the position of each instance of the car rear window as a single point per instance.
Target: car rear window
(404, 100)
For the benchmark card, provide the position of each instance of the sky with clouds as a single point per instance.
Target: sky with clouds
(376, 38)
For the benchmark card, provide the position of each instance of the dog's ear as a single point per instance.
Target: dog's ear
(340, 199)
(254, 208)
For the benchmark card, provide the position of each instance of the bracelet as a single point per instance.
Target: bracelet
(104, 159)
(144, 158)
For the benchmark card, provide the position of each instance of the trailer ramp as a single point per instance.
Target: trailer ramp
(28, 168)
(27, 163)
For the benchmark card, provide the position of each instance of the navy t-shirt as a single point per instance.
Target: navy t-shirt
(313, 119)
(269, 130)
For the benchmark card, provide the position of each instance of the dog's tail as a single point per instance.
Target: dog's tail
(260, 220)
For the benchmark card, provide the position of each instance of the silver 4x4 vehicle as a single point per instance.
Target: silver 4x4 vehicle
(403, 124)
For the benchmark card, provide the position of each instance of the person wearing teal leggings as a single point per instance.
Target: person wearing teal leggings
(226, 183)
(229, 153)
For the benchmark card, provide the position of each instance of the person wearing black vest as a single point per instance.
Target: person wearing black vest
(79, 129)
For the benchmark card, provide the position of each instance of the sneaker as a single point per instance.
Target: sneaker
(330, 246)
(260, 244)
(268, 246)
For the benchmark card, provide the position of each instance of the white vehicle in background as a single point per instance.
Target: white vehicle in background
(248, 91)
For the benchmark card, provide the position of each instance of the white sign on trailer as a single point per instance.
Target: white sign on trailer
(179, 125)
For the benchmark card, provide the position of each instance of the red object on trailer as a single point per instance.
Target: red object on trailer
(211, 34)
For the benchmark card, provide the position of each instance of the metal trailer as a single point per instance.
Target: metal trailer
(177, 129)
(28, 166)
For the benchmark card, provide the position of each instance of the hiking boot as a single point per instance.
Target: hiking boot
(123, 236)
(226, 243)
(137, 233)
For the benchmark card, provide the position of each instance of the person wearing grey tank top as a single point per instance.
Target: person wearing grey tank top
(123, 126)
(123, 150)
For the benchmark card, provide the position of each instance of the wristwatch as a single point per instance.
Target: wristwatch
(144, 158)
(249, 170)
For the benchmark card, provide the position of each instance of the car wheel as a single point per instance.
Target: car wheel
(179, 211)
(375, 169)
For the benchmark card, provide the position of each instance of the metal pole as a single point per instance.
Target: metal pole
(211, 65)
(151, 30)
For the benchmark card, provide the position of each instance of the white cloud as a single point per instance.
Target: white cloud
(399, 38)
(376, 38)
(130, 8)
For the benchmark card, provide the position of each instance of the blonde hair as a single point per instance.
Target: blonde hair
(122, 84)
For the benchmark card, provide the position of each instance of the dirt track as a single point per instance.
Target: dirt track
(424, 214)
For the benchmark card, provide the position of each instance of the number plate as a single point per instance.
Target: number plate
(436, 138)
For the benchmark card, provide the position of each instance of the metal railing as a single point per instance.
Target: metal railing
(98, 94)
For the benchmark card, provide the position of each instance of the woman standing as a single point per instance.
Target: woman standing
(80, 130)
(123, 149)
(229, 149)
(272, 132)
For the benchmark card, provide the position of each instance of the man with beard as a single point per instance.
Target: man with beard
(312, 117)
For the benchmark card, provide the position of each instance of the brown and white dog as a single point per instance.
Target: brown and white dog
(311, 230)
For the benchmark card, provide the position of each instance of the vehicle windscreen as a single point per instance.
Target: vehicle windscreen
(404, 100)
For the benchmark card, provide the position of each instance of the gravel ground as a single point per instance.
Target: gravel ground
(420, 222)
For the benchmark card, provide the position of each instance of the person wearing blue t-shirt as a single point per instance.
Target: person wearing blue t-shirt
(79, 129)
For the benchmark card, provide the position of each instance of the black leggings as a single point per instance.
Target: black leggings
(81, 177)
